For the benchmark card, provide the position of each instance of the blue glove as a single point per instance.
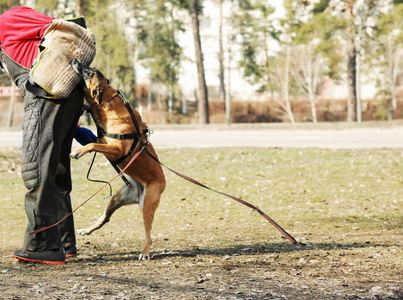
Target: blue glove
(84, 136)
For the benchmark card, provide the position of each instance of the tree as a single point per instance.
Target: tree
(281, 77)
(286, 64)
(113, 51)
(308, 73)
(7, 4)
(48, 7)
(156, 27)
(230, 43)
(54, 8)
(351, 64)
(257, 30)
(357, 14)
(221, 63)
(80, 8)
(388, 52)
(263, 66)
(315, 54)
(194, 9)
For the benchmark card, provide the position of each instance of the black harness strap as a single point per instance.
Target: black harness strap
(125, 180)
(137, 135)
(120, 136)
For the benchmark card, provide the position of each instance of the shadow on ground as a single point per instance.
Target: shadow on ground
(238, 250)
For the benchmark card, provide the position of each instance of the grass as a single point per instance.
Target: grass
(345, 205)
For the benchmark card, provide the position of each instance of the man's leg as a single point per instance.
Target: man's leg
(48, 129)
(63, 178)
(48, 137)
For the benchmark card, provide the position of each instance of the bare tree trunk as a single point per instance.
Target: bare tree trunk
(392, 76)
(221, 56)
(228, 94)
(351, 87)
(287, 86)
(80, 7)
(281, 77)
(351, 68)
(358, 73)
(230, 41)
(11, 109)
(313, 108)
(203, 96)
(311, 86)
(308, 74)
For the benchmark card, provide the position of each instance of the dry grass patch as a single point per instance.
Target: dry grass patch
(345, 205)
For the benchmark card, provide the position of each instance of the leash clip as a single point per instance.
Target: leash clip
(148, 132)
(125, 101)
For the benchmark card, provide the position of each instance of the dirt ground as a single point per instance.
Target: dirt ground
(208, 248)
(247, 272)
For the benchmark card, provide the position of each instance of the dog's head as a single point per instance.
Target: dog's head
(95, 83)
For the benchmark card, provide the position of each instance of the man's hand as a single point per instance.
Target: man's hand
(85, 136)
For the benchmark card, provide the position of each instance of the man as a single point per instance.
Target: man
(48, 130)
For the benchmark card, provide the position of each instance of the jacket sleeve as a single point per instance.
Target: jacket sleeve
(21, 30)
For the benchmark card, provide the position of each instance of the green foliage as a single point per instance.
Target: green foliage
(385, 49)
(390, 22)
(114, 52)
(323, 28)
(7, 4)
(321, 6)
(252, 69)
(257, 29)
(157, 23)
(47, 7)
(156, 33)
(381, 112)
(294, 10)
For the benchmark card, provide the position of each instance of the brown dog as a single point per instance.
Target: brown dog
(145, 175)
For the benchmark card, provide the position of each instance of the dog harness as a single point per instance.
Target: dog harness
(123, 136)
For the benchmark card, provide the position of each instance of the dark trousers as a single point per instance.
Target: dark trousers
(48, 131)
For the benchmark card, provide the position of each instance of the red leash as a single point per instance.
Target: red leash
(285, 233)
(119, 174)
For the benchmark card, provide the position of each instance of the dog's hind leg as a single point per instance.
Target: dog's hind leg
(150, 205)
(123, 196)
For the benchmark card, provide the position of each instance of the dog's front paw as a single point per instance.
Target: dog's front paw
(74, 155)
(80, 152)
(83, 232)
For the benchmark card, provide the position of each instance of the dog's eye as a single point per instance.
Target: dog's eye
(107, 81)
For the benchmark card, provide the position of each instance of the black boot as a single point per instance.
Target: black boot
(50, 257)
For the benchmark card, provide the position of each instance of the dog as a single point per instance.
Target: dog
(145, 174)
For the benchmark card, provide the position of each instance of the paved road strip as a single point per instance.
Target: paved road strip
(356, 138)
